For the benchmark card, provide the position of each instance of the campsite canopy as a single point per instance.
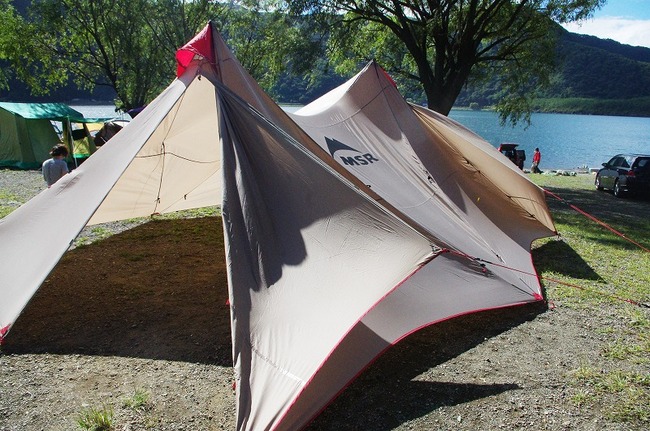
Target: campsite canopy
(347, 227)
(27, 133)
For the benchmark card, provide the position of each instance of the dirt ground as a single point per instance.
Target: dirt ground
(145, 310)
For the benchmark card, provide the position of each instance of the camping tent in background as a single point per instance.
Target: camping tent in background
(27, 134)
(327, 267)
(102, 132)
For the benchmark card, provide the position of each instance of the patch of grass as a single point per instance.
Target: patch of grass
(5, 210)
(93, 419)
(593, 269)
(8, 203)
(138, 401)
(582, 398)
(100, 232)
(633, 406)
(621, 349)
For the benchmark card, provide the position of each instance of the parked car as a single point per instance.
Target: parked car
(518, 157)
(625, 173)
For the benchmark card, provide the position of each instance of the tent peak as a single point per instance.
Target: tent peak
(201, 45)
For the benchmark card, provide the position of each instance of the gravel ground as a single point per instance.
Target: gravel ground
(109, 325)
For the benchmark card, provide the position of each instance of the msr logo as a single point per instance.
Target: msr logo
(357, 160)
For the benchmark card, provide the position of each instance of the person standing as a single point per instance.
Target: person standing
(56, 167)
(537, 157)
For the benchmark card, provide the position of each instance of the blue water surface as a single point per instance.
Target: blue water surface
(566, 141)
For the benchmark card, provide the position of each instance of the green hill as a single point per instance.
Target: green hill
(594, 76)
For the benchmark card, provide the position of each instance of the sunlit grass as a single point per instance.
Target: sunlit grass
(8, 202)
(138, 401)
(94, 419)
(592, 269)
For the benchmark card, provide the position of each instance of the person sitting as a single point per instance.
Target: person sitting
(56, 167)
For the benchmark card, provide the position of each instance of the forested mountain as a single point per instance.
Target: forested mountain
(598, 76)
(605, 69)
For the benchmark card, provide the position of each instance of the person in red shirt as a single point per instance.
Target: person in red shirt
(537, 157)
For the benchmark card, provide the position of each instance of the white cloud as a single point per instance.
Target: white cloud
(633, 32)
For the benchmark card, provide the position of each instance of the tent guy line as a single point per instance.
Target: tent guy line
(596, 220)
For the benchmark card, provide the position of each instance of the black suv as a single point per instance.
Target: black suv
(518, 157)
(625, 173)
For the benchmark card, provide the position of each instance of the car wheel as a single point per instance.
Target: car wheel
(618, 191)
(599, 186)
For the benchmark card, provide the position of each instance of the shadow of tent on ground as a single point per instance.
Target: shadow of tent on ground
(559, 257)
(159, 291)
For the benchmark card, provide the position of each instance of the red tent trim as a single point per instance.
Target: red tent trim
(201, 45)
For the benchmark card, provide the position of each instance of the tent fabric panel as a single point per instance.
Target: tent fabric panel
(175, 168)
(10, 149)
(41, 138)
(25, 143)
(23, 266)
(289, 220)
(77, 138)
(236, 78)
(370, 131)
(443, 289)
(490, 163)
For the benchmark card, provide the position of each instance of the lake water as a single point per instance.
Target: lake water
(565, 141)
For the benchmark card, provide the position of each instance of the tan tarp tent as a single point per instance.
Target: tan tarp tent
(328, 264)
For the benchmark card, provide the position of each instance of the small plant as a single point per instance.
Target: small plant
(138, 401)
(582, 398)
(93, 419)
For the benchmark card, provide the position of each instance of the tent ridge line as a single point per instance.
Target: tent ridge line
(353, 114)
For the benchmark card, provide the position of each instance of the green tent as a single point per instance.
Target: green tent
(27, 133)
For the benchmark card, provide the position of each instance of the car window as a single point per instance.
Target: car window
(618, 162)
(626, 162)
(642, 163)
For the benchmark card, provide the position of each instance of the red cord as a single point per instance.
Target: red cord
(589, 216)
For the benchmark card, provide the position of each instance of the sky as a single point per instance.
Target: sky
(625, 21)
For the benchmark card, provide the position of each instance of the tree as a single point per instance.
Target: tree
(9, 38)
(126, 45)
(272, 44)
(443, 44)
(129, 45)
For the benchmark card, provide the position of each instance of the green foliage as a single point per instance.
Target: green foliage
(126, 45)
(592, 76)
(8, 37)
(93, 419)
(285, 53)
(445, 45)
